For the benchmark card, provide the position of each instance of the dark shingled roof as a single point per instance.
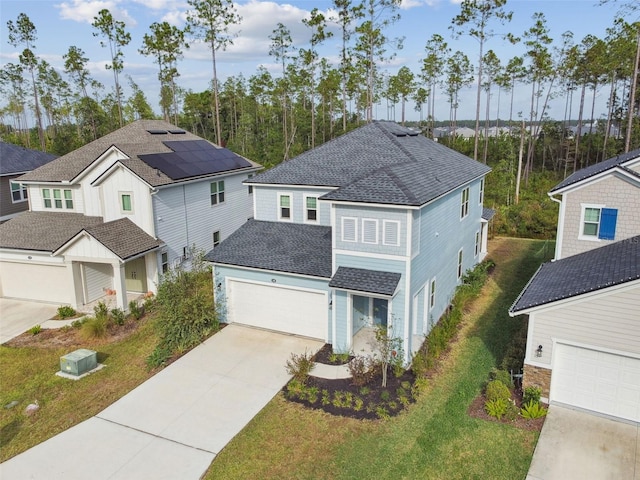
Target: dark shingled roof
(277, 246)
(380, 162)
(43, 231)
(124, 238)
(368, 281)
(596, 269)
(597, 168)
(16, 159)
(488, 213)
(133, 140)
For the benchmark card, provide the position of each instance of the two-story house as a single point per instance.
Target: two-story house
(583, 342)
(116, 213)
(14, 162)
(377, 226)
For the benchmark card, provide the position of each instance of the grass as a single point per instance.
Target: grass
(435, 438)
(28, 374)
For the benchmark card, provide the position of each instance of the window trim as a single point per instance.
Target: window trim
(280, 207)
(216, 243)
(374, 221)
(307, 209)
(385, 223)
(355, 229)
(432, 293)
(219, 194)
(464, 203)
(22, 190)
(121, 196)
(57, 196)
(164, 262)
(460, 263)
(477, 244)
(583, 210)
(481, 195)
(250, 187)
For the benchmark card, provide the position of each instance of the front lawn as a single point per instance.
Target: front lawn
(435, 437)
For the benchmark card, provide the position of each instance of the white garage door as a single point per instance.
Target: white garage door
(301, 312)
(595, 380)
(28, 281)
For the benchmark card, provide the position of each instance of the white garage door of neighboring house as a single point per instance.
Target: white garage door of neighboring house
(283, 309)
(28, 281)
(600, 381)
(97, 278)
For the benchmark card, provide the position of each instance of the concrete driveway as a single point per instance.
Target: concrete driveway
(18, 316)
(173, 425)
(578, 445)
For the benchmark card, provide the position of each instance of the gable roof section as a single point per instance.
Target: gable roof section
(598, 168)
(380, 162)
(367, 281)
(586, 272)
(43, 231)
(277, 246)
(140, 138)
(17, 159)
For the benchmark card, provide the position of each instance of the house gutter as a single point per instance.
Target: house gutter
(560, 230)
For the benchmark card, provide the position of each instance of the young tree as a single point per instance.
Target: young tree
(432, 70)
(474, 19)
(116, 38)
(405, 85)
(281, 48)
(492, 71)
(23, 33)
(459, 74)
(75, 65)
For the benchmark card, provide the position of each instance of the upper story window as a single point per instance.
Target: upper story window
(432, 294)
(250, 187)
(464, 203)
(481, 198)
(216, 238)
(126, 203)
(311, 209)
(349, 229)
(57, 198)
(18, 192)
(164, 261)
(598, 223)
(477, 248)
(284, 207)
(391, 233)
(460, 264)
(217, 192)
(369, 231)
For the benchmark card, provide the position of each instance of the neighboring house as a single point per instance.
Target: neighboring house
(376, 227)
(15, 161)
(583, 341)
(117, 212)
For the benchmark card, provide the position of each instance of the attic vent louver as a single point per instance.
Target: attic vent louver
(157, 132)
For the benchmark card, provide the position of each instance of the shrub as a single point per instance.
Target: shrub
(135, 310)
(158, 357)
(358, 404)
(300, 366)
(496, 390)
(419, 364)
(531, 394)
(66, 311)
(385, 395)
(496, 408)
(501, 375)
(101, 311)
(532, 410)
(360, 369)
(326, 398)
(419, 386)
(79, 323)
(36, 329)
(118, 316)
(94, 328)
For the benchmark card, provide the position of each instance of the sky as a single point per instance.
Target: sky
(61, 24)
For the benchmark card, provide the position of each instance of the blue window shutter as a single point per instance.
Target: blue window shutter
(608, 223)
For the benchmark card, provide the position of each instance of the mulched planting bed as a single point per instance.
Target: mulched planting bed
(325, 355)
(476, 410)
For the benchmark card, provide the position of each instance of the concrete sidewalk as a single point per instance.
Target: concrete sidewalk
(173, 425)
(18, 316)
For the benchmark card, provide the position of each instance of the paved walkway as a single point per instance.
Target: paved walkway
(173, 425)
(576, 445)
(18, 316)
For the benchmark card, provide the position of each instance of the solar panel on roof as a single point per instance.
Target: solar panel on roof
(177, 132)
(157, 132)
(192, 158)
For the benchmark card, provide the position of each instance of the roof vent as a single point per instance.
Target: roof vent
(177, 132)
(157, 132)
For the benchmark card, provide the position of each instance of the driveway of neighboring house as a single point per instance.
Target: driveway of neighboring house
(18, 316)
(173, 425)
(578, 445)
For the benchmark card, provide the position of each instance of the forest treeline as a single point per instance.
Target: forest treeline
(271, 117)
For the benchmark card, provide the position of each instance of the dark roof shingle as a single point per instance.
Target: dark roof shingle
(16, 159)
(590, 271)
(123, 237)
(277, 246)
(367, 281)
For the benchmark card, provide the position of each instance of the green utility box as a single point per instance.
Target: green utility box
(78, 362)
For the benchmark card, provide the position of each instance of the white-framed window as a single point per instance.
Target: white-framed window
(370, 231)
(460, 257)
(18, 192)
(311, 209)
(217, 192)
(164, 261)
(481, 196)
(391, 233)
(57, 198)
(126, 202)
(598, 222)
(432, 293)
(250, 187)
(216, 238)
(477, 246)
(464, 203)
(349, 229)
(284, 206)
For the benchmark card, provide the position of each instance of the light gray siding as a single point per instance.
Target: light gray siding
(97, 277)
(266, 203)
(610, 321)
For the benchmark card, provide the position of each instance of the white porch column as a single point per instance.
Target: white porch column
(484, 234)
(151, 265)
(120, 284)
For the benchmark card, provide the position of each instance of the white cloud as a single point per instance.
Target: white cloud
(84, 11)
(160, 4)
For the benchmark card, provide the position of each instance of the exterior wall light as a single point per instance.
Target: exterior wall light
(539, 351)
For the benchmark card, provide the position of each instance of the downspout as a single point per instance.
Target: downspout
(560, 229)
(186, 217)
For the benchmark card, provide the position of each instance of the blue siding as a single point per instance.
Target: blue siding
(343, 334)
(267, 203)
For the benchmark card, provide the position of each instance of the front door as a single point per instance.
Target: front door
(380, 311)
(136, 275)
